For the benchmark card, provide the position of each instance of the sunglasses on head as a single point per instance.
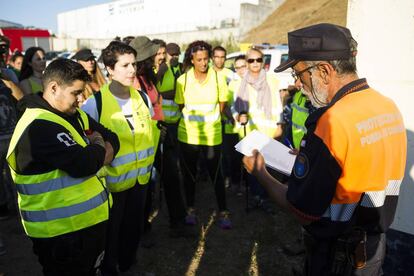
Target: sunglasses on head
(258, 60)
(198, 48)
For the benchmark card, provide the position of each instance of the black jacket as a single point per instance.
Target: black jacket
(40, 150)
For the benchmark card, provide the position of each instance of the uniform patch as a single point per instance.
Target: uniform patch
(301, 167)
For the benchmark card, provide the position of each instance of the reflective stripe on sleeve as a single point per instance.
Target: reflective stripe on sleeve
(374, 199)
(340, 212)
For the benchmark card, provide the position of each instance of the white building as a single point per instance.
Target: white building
(144, 17)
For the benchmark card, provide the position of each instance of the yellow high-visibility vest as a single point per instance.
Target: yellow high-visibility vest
(135, 157)
(170, 109)
(201, 122)
(54, 203)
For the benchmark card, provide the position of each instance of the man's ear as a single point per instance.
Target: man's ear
(52, 87)
(326, 70)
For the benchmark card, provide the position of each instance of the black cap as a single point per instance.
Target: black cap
(317, 42)
(84, 54)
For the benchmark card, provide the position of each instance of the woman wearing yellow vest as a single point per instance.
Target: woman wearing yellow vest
(34, 63)
(124, 110)
(202, 95)
(54, 155)
(259, 105)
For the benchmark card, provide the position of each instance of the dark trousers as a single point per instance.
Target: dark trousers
(7, 189)
(170, 176)
(126, 221)
(212, 156)
(231, 160)
(71, 254)
(320, 255)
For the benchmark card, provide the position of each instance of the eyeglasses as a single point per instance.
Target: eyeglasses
(258, 60)
(296, 75)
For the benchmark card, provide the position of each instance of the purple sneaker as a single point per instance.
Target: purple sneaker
(224, 220)
(191, 218)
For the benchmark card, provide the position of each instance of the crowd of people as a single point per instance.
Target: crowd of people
(85, 148)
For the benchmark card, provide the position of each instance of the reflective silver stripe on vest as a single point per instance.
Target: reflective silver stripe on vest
(302, 128)
(299, 108)
(201, 118)
(49, 185)
(131, 157)
(377, 198)
(263, 123)
(65, 212)
(170, 113)
(128, 175)
(169, 102)
(340, 212)
(200, 107)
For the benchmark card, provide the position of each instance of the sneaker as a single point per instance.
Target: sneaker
(224, 220)
(191, 218)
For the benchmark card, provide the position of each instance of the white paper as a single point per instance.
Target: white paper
(275, 154)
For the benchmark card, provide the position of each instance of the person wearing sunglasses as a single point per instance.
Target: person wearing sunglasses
(258, 107)
(257, 97)
(345, 183)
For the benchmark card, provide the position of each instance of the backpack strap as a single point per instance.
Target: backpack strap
(144, 97)
(217, 87)
(98, 100)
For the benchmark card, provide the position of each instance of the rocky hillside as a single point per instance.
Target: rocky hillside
(294, 14)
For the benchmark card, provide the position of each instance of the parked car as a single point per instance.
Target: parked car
(273, 56)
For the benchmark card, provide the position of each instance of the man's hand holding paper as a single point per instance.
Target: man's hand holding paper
(275, 154)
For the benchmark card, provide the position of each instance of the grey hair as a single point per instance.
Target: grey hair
(342, 66)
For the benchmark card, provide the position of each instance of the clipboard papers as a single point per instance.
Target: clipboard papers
(276, 155)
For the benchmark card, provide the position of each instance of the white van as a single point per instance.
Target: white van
(272, 58)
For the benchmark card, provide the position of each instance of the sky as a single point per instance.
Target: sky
(40, 13)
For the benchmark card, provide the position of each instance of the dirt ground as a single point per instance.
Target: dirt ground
(253, 247)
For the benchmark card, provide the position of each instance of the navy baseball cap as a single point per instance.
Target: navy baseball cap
(317, 42)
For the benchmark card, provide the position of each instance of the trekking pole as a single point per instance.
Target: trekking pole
(160, 126)
(243, 171)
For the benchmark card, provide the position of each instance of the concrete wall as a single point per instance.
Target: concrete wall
(385, 33)
(252, 15)
(71, 44)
